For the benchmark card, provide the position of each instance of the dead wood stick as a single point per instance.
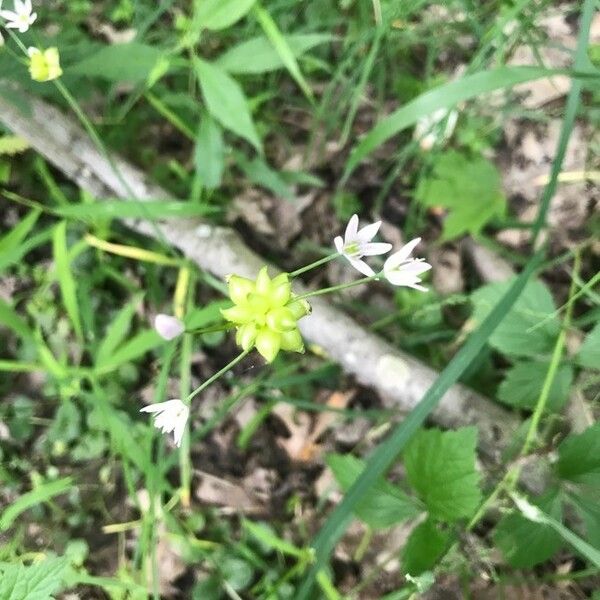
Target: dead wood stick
(400, 379)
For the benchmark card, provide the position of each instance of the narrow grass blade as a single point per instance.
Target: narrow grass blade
(10, 319)
(19, 232)
(65, 277)
(40, 494)
(443, 96)
(282, 48)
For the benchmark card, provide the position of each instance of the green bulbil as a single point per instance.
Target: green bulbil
(266, 314)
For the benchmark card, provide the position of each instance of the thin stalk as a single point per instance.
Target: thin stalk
(337, 288)
(314, 265)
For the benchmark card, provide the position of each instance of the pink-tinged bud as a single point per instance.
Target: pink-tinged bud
(168, 327)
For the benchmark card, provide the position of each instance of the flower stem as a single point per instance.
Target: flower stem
(218, 374)
(337, 288)
(314, 265)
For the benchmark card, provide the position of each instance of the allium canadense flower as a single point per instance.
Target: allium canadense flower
(21, 17)
(355, 244)
(168, 327)
(170, 416)
(401, 269)
(266, 314)
(44, 65)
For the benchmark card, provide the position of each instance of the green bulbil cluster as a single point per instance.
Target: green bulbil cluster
(266, 314)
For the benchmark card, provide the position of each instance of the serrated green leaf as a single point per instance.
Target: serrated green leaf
(264, 57)
(440, 466)
(66, 280)
(529, 329)
(470, 188)
(589, 353)
(523, 383)
(220, 14)
(38, 581)
(132, 62)
(384, 506)
(525, 543)
(424, 547)
(226, 101)
(12, 144)
(209, 153)
(579, 457)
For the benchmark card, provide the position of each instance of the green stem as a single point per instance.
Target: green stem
(218, 374)
(314, 265)
(337, 288)
(215, 328)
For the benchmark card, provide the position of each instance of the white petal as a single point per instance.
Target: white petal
(168, 327)
(160, 406)
(401, 256)
(20, 7)
(179, 431)
(32, 51)
(375, 248)
(339, 244)
(351, 229)
(415, 267)
(367, 233)
(362, 266)
(9, 15)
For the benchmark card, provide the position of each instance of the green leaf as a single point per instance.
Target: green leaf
(42, 493)
(264, 56)
(9, 318)
(209, 153)
(385, 505)
(226, 101)
(131, 350)
(66, 281)
(579, 457)
(19, 232)
(259, 172)
(38, 581)
(529, 329)
(588, 508)
(219, 14)
(443, 96)
(470, 188)
(525, 543)
(120, 209)
(12, 144)
(523, 383)
(286, 54)
(425, 546)
(440, 466)
(120, 62)
(589, 353)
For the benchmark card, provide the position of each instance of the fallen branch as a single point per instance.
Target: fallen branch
(400, 379)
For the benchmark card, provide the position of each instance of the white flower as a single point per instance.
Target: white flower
(168, 327)
(21, 17)
(171, 416)
(428, 130)
(401, 269)
(357, 244)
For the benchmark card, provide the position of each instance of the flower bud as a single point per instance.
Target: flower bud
(268, 344)
(44, 65)
(168, 327)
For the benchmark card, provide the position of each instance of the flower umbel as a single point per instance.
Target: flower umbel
(170, 416)
(401, 269)
(168, 327)
(21, 17)
(266, 314)
(44, 65)
(355, 244)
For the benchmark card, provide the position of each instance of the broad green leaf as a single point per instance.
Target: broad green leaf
(530, 328)
(42, 493)
(117, 331)
(66, 281)
(120, 62)
(209, 153)
(120, 209)
(9, 318)
(384, 506)
(588, 508)
(264, 56)
(444, 96)
(579, 457)
(425, 546)
(524, 543)
(440, 466)
(38, 581)
(589, 353)
(219, 14)
(131, 350)
(226, 101)
(286, 54)
(470, 188)
(523, 383)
